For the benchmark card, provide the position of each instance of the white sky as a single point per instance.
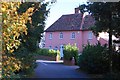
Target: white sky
(62, 7)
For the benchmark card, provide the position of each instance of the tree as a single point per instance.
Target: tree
(13, 25)
(36, 28)
(23, 24)
(28, 46)
(107, 19)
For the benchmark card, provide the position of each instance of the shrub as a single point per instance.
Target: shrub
(42, 52)
(94, 59)
(52, 53)
(113, 76)
(28, 62)
(70, 51)
(47, 52)
(116, 61)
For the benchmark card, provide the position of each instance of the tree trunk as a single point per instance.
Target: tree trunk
(110, 49)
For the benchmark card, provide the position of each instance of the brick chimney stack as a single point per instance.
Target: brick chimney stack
(77, 10)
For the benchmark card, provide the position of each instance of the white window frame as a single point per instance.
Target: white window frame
(50, 36)
(90, 35)
(61, 35)
(73, 35)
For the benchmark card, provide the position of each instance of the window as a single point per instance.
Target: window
(73, 35)
(50, 47)
(56, 48)
(90, 35)
(61, 35)
(50, 36)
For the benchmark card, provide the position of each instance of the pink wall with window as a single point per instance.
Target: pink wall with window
(86, 39)
(81, 38)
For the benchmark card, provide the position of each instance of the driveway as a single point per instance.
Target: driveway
(53, 69)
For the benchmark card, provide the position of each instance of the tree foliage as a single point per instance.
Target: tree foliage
(35, 29)
(106, 15)
(13, 25)
(107, 19)
(29, 41)
(23, 24)
(94, 59)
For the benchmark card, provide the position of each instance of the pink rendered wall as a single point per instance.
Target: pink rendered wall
(81, 37)
(103, 41)
(56, 41)
(92, 41)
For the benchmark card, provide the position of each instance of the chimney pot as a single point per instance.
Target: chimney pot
(77, 10)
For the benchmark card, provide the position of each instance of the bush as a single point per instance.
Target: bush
(113, 76)
(47, 52)
(70, 52)
(28, 62)
(116, 61)
(94, 59)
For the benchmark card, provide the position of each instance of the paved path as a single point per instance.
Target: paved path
(53, 69)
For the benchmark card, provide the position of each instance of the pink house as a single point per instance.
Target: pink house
(70, 28)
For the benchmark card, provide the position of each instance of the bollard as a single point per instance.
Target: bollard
(73, 61)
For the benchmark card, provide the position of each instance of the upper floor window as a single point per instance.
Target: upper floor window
(90, 35)
(73, 35)
(50, 36)
(61, 35)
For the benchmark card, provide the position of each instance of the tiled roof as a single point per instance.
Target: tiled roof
(72, 22)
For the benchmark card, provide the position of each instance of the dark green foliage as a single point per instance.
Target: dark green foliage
(94, 59)
(35, 29)
(106, 16)
(26, 51)
(116, 61)
(28, 62)
(47, 52)
(116, 68)
(113, 76)
(107, 19)
(25, 6)
(70, 52)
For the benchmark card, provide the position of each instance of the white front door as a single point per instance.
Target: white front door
(61, 51)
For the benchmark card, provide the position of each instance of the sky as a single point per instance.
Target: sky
(62, 7)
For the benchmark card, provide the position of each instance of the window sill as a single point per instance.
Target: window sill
(72, 38)
(60, 38)
(90, 39)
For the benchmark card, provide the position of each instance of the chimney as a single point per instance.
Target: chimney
(77, 10)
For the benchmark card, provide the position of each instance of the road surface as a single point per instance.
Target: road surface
(53, 69)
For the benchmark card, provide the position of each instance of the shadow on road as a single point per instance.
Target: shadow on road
(56, 69)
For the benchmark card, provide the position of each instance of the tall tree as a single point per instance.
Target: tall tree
(107, 19)
(13, 25)
(36, 28)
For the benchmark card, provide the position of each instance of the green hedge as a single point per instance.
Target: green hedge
(47, 52)
(94, 59)
(70, 51)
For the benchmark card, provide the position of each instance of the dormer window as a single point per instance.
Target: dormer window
(50, 36)
(73, 35)
(61, 35)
